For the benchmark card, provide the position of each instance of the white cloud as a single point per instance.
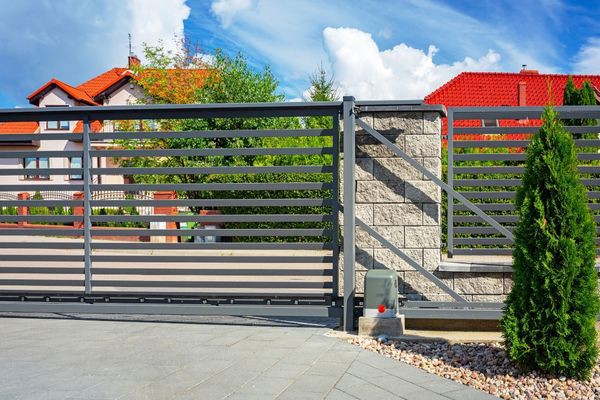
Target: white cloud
(587, 60)
(74, 40)
(152, 20)
(403, 72)
(227, 10)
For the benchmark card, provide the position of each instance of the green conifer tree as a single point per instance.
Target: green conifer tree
(550, 315)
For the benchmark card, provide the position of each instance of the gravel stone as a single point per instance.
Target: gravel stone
(484, 366)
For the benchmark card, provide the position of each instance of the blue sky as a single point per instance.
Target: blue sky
(399, 49)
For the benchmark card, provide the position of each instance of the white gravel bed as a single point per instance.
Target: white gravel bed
(483, 366)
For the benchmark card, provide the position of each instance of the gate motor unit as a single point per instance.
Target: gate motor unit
(381, 294)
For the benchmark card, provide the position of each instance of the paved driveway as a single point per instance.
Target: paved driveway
(58, 357)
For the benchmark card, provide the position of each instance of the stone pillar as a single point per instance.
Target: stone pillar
(165, 210)
(398, 201)
(78, 210)
(23, 210)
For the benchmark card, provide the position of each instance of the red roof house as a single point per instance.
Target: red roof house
(525, 88)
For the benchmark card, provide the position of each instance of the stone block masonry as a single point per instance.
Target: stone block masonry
(404, 207)
(396, 199)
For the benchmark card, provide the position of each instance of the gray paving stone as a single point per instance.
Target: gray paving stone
(314, 384)
(336, 394)
(368, 391)
(97, 360)
(266, 385)
(440, 385)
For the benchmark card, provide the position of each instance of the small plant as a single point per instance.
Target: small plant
(550, 315)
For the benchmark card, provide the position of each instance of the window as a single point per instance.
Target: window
(58, 125)
(75, 162)
(36, 163)
(489, 122)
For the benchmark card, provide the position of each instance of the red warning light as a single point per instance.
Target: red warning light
(381, 308)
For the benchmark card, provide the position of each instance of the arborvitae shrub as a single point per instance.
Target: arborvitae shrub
(550, 315)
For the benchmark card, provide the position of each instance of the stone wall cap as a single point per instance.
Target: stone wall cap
(380, 106)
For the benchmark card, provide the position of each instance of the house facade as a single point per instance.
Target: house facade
(116, 86)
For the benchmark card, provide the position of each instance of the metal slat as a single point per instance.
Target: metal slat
(40, 232)
(212, 246)
(41, 258)
(41, 171)
(504, 130)
(295, 169)
(511, 156)
(207, 284)
(33, 185)
(213, 186)
(41, 245)
(489, 170)
(489, 195)
(500, 218)
(32, 137)
(215, 203)
(510, 195)
(481, 241)
(210, 232)
(487, 182)
(478, 230)
(564, 112)
(475, 218)
(516, 143)
(488, 207)
(40, 218)
(41, 153)
(490, 143)
(213, 134)
(41, 282)
(40, 203)
(214, 259)
(175, 309)
(168, 271)
(483, 252)
(215, 218)
(173, 111)
(490, 157)
(509, 182)
(514, 170)
(211, 152)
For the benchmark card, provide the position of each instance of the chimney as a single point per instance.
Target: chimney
(522, 94)
(133, 60)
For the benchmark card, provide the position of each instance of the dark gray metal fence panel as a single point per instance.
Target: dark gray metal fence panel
(306, 265)
(488, 170)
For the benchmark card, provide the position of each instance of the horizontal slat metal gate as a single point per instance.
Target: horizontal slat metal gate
(277, 218)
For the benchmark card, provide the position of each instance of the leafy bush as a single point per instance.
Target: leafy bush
(550, 315)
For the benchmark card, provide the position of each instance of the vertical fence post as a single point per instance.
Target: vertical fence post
(87, 209)
(23, 210)
(349, 213)
(450, 208)
(335, 210)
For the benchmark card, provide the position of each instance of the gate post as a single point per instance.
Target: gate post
(87, 208)
(165, 210)
(78, 210)
(23, 210)
(349, 212)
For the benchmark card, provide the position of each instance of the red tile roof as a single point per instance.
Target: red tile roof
(100, 83)
(95, 127)
(75, 93)
(483, 89)
(18, 127)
